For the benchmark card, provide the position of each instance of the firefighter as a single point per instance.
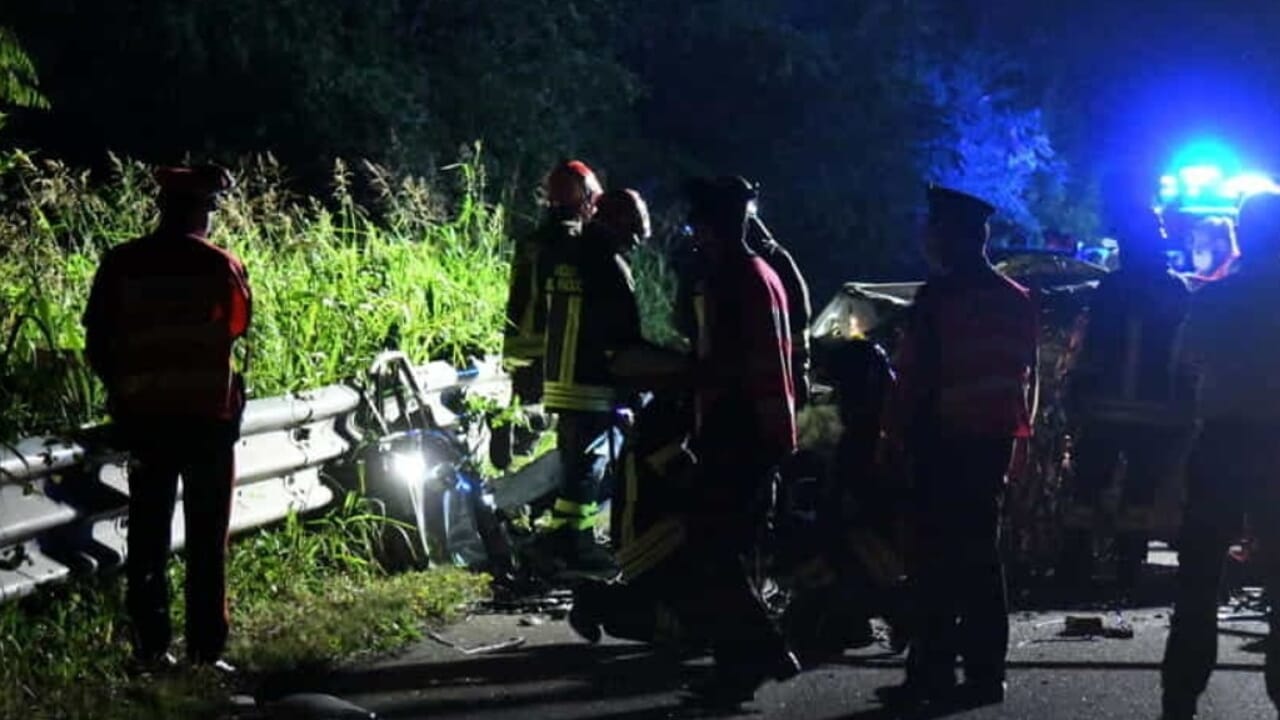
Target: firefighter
(571, 192)
(591, 316)
(1128, 393)
(163, 316)
(744, 427)
(967, 376)
(762, 242)
(645, 603)
(1232, 341)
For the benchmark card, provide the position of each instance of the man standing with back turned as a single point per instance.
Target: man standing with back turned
(163, 315)
(967, 379)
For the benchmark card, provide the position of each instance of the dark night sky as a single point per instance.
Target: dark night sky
(1154, 75)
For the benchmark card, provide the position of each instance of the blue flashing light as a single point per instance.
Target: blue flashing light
(1206, 179)
(1242, 186)
(1198, 176)
(1207, 209)
(1208, 153)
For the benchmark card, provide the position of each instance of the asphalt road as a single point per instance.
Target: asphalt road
(555, 675)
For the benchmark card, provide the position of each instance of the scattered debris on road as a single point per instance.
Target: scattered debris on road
(511, 644)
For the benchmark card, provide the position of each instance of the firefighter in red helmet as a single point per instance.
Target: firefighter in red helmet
(571, 192)
(163, 316)
(591, 317)
(966, 394)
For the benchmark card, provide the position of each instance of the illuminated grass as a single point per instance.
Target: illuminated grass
(302, 594)
(334, 281)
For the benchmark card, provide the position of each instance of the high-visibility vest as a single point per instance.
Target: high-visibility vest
(974, 338)
(163, 315)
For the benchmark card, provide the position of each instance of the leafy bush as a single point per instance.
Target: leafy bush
(334, 280)
(304, 593)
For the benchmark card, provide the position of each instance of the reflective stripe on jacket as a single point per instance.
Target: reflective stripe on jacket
(591, 314)
(525, 334)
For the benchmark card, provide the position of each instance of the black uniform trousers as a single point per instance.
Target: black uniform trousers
(202, 452)
(1232, 475)
(958, 584)
(725, 525)
(1151, 454)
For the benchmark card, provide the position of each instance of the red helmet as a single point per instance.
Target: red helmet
(572, 184)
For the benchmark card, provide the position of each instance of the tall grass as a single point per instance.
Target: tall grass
(334, 280)
(304, 593)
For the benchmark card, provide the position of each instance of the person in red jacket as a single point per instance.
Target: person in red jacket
(744, 427)
(967, 377)
(163, 316)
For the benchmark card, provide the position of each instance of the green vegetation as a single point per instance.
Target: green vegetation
(18, 82)
(334, 281)
(841, 110)
(305, 593)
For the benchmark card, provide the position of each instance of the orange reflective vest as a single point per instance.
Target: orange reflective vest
(162, 317)
(966, 362)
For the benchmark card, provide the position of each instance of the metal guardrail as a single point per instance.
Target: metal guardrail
(63, 505)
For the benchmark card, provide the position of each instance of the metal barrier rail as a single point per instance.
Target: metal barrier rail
(63, 505)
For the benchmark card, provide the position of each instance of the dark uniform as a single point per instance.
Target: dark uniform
(656, 598)
(525, 339)
(591, 314)
(1132, 404)
(864, 380)
(1233, 340)
(162, 317)
(965, 366)
(799, 305)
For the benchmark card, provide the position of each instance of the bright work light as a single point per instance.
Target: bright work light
(409, 466)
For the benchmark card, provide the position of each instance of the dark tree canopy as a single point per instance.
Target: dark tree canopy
(841, 110)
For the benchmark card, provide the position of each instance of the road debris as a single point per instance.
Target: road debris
(511, 644)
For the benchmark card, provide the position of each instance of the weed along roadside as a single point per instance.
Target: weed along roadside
(419, 267)
(304, 594)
